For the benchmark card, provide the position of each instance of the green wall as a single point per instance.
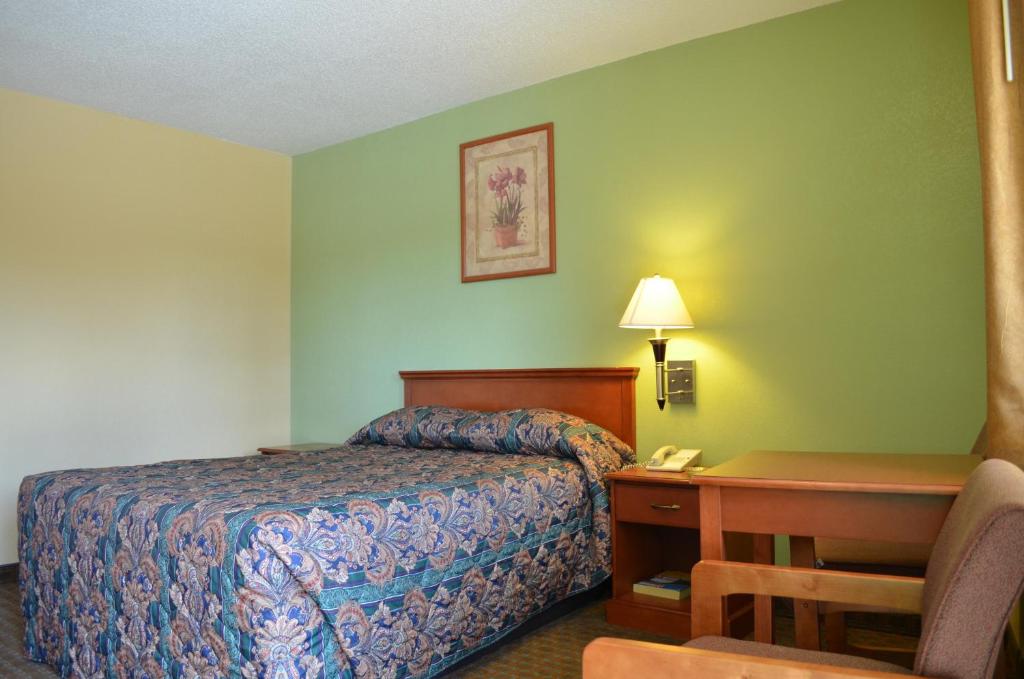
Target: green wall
(811, 183)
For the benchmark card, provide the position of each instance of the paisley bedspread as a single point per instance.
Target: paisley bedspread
(429, 535)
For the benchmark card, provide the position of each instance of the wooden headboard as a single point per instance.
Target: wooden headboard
(605, 396)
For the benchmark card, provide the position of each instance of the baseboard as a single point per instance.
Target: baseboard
(8, 573)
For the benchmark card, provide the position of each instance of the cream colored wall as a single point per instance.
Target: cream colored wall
(144, 294)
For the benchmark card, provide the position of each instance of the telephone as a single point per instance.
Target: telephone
(671, 459)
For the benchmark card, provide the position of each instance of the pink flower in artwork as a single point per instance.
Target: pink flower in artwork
(506, 185)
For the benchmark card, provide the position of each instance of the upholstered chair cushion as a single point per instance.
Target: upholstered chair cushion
(726, 645)
(975, 575)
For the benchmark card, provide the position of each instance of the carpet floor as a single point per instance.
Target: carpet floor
(550, 652)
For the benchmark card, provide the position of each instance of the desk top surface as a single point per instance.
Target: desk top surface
(861, 472)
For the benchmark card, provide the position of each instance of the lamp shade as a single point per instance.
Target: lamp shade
(656, 304)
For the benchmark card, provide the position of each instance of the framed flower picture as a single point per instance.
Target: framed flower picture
(508, 204)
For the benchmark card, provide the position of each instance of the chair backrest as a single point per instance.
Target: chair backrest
(975, 575)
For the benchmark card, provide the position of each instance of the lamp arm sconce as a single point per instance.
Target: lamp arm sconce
(658, 344)
(661, 373)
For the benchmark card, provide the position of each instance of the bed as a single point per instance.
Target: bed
(432, 533)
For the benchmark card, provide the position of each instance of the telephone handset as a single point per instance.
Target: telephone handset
(672, 459)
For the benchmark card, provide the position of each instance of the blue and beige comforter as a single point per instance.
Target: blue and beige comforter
(430, 534)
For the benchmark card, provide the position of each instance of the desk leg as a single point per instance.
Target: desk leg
(712, 546)
(764, 552)
(712, 540)
(805, 611)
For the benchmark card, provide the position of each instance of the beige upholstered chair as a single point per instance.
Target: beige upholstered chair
(975, 577)
(886, 558)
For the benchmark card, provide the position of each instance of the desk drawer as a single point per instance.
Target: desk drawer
(659, 505)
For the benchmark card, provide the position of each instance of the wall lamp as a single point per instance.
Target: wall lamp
(657, 304)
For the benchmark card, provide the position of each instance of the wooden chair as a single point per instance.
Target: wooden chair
(975, 577)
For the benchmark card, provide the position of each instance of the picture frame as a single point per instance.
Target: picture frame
(507, 194)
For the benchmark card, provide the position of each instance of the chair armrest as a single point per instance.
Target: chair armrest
(713, 580)
(606, 658)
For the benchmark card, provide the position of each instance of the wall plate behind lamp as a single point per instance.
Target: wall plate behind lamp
(681, 381)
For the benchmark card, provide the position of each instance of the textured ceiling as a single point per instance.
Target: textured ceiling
(295, 75)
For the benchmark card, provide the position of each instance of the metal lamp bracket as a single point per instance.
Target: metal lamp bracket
(681, 381)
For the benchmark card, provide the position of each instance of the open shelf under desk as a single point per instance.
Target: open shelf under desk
(643, 550)
(671, 618)
(635, 599)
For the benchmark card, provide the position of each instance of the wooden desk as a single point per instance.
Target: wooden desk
(856, 496)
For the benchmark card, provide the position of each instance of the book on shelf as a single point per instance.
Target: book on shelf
(667, 585)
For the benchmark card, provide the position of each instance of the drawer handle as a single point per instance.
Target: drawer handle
(671, 508)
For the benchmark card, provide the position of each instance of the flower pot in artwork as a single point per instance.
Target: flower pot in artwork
(506, 235)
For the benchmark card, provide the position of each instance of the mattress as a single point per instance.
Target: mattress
(429, 535)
